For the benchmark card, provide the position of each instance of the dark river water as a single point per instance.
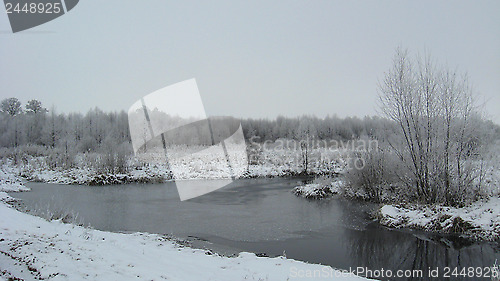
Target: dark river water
(263, 216)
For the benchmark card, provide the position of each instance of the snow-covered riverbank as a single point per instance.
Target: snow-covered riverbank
(479, 221)
(91, 169)
(9, 181)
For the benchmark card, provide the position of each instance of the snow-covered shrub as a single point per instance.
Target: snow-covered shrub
(320, 188)
(114, 157)
(35, 150)
(313, 191)
(60, 159)
(377, 179)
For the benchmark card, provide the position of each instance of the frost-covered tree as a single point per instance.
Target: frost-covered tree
(35, 107)
(34, 120)
(11, 106)
(305, 135)
(435, 112)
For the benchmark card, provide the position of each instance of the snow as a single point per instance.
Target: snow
(9, 182)
(53, 250)
(492, 180)
(188, 163)
(318, 190)
(480, 220)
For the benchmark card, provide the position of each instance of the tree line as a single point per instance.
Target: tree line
(96, 130)
(104, 137)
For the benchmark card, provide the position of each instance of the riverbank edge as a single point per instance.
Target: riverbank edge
(478, 222)
(153, 174)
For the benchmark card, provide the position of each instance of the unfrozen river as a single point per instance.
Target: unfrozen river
(263, 216)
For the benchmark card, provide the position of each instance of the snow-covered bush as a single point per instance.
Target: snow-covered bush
(377, 179)
(313, 191)
(320, 188)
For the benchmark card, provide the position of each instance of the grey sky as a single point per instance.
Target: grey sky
(250, 58)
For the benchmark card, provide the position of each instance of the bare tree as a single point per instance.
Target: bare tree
(434, 110)
(34, 120)
(305, 133)
(12, 107)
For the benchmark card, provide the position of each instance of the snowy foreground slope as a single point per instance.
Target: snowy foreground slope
(31, 247)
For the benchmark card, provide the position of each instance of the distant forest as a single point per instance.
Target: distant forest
(34, 125)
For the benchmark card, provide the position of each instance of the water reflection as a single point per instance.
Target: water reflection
(402, 251)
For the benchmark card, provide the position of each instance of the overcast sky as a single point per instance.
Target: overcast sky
(250, 58)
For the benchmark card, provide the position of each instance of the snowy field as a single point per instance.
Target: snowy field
(32, 248)
(204, 164)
